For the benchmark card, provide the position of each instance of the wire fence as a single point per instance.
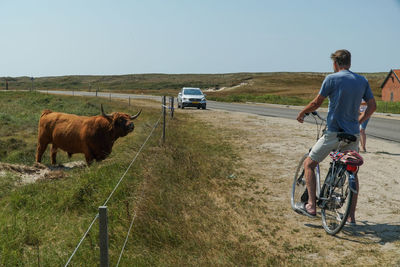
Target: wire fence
(129, 230)
(83, 238)
(163, 115)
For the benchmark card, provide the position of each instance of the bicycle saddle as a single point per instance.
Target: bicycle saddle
(346, 137)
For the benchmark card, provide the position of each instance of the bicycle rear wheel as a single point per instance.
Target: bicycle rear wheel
(335, 203)
(299, 190)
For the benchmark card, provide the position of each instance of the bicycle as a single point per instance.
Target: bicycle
(335, 196)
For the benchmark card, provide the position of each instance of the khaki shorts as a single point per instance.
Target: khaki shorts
(329, 142)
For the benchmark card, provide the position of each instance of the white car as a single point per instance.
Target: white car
(191, 97)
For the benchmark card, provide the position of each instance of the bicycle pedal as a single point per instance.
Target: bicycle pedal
(321, 204)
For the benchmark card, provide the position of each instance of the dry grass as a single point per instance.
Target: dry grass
(303, 85)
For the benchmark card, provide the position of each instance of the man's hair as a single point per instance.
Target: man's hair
(342, 57)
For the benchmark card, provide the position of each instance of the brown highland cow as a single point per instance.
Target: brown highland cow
(92, 136)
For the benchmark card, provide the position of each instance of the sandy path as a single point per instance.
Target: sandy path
(270, 149)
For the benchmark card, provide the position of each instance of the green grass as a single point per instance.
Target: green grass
(388, 107)
(271, 99)
(275, 99)
(170, 186)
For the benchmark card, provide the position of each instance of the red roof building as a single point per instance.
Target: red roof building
(391, 87)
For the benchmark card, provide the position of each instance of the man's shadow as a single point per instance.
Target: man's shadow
(387, 153)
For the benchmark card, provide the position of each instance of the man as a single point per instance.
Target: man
(345, 91)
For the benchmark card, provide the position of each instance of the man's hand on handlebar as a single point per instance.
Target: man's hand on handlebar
(300, 117)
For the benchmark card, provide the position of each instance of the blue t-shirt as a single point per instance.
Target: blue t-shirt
(345, 90)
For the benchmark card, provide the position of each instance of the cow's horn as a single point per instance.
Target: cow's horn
(137, 115)
(102, 112)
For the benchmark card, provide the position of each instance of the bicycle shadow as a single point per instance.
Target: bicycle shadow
(369, 232)
(379, 233)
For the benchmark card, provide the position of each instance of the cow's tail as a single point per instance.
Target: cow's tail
(45, 112)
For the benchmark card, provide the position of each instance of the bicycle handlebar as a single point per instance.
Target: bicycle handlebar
(316, 114)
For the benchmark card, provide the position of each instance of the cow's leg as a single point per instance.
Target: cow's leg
(88, 155)
(53, 154)
(89, 158)
(41, 148)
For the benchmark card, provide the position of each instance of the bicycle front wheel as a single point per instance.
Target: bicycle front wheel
(299, 190)
(335, 203)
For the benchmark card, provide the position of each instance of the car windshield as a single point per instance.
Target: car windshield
(192, 92)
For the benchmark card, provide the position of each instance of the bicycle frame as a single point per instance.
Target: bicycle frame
(318, 174)
(318, 181)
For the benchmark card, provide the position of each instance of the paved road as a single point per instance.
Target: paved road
(383, 128)
(388, 129)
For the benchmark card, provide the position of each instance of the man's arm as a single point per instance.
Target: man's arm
(371, 107)
(312, 106)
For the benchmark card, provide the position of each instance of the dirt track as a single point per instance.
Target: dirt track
(270, 149)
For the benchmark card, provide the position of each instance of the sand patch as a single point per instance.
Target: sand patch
(30, 174)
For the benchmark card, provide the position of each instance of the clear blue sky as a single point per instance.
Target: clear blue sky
(51, 38)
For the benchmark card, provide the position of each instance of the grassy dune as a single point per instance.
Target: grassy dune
(134, 83)
(287, 88)
(296, 84)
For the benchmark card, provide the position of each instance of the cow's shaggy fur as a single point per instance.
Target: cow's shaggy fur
(92, 136)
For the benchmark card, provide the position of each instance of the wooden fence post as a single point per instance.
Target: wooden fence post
(164, 111)
(103, 235)
(171, 101)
